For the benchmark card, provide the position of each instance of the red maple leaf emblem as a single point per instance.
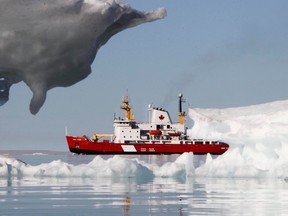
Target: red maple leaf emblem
(161, 117)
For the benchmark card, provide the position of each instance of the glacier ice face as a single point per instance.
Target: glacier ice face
(257, 138)
(53, 43)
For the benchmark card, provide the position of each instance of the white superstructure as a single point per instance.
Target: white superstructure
(159, 127)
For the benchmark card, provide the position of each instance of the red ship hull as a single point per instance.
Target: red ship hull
(81, 145)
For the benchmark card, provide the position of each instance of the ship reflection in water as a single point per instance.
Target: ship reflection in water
(158, 197)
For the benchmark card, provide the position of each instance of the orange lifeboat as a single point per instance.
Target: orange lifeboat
(155, 132)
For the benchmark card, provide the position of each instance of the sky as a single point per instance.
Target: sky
(223, 53)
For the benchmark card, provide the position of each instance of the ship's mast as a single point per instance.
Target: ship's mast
(127, 108)
(181, 114)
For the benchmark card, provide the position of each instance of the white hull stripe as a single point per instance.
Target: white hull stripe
(128, 148)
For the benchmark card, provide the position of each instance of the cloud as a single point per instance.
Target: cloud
(53, 43)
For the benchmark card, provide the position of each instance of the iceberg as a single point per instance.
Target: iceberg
(257, 136)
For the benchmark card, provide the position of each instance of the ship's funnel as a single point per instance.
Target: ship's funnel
(181, 114)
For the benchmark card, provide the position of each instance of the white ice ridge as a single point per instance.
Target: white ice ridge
(257, 136)
(48, 44)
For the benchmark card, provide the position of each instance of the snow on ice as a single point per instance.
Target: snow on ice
(257, 136)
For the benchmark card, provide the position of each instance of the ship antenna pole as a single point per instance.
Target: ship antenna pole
(149, 113)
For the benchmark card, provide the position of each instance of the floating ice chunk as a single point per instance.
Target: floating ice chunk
(11, 166)
(181, 168)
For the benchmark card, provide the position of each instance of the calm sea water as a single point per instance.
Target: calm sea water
(130, 196)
